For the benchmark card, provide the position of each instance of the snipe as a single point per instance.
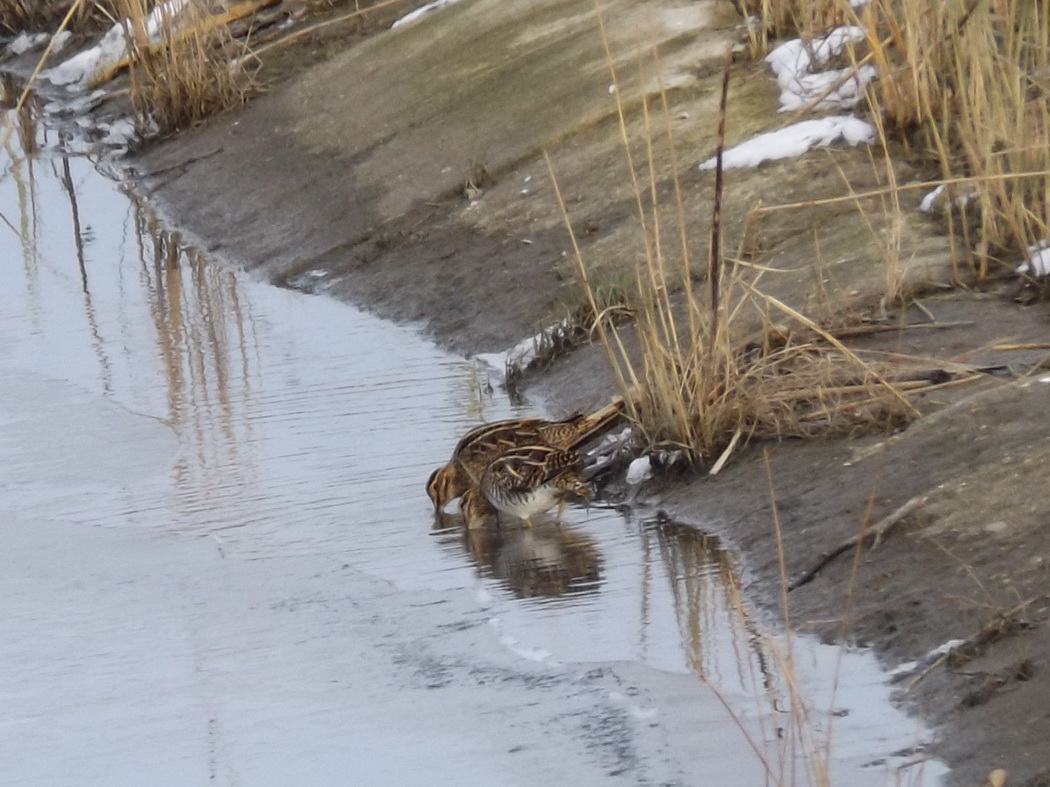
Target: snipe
(482, 445)
(523, 482)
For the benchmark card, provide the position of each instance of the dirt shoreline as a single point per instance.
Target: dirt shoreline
(265, 188)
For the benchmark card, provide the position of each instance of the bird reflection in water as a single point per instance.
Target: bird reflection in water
(547, 559)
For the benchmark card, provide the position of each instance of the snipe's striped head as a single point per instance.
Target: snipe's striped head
(442, 486)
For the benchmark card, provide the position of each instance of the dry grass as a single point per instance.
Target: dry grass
(974, 84)
(702, 387)
(17, 16)
(962, 85)
(966, 87)
(182, 73)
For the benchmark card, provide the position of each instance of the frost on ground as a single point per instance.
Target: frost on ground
(796, 139)
(794, 61)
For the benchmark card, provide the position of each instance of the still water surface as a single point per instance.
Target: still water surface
(218, 562)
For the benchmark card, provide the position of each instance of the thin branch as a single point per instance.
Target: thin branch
(878, 530)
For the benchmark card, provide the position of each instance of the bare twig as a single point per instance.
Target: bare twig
(865, 330)
(1023, 346)
(878, 530)
(986, 634)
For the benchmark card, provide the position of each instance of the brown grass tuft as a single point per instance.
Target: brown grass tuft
(183, 73)
(701, 387)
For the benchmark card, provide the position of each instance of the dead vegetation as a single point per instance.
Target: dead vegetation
(960, 85)
(182, 66)
(185, 59)
(964, 87)
(706, 387)
(17, 16)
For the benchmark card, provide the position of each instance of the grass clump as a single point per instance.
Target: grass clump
(963, 88)
(179, 61)
(692, 379)
(711, 392)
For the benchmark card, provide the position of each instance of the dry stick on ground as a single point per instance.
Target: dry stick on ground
(1025, 346)
(866, 330)
(990, 632)
(878, 530)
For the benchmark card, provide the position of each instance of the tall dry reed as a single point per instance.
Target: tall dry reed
(695, 381)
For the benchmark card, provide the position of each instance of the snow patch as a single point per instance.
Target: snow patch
(1038, 262)
(902, 670)
(794, 61)
(936, 201)
(60, 40)
(640, 469)
(412, 16)
(794, 140)
(926, 206)
(84, 67)
(944, 649)
(26, 42)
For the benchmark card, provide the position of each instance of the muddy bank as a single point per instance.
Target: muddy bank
(406, 174)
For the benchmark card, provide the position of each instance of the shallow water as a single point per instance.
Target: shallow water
(219, 563)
